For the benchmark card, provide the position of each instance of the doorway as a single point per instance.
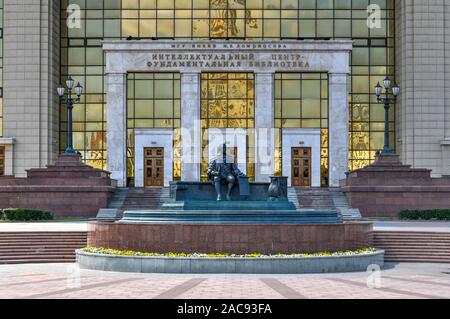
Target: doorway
(301, 166)
(154, 167)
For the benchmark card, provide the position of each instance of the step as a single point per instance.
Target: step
(417, 260)
(35, 237)
(41, 247)
(412, 257)
(37, 255)
(40, 242)
(408, 233)
(409, 253)
(34, 261)
(13, 255)
(25, 235)
(412, 240)
(39, 235)
(413, 243)
(422, 248)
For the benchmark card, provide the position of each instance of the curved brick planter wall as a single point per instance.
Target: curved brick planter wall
(236, 239)
(229, 265)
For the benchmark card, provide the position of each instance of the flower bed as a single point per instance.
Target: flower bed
(130, 253)
(131, 261)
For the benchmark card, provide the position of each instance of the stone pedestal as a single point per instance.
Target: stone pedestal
(269, 238)
(68, 188)
(387, 186)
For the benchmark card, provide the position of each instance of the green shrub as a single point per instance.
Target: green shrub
(427, 214)
(23, 214)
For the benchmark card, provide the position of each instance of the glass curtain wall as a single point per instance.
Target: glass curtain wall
(228, 101)
(372, 57)
(301, 101)
(153, 101)
(1, 68)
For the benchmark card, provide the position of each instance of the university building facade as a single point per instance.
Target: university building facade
(288, 85)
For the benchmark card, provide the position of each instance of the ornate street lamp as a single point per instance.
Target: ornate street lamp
(70, 102)
(387, 100)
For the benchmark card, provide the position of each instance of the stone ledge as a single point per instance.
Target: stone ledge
(273, 265)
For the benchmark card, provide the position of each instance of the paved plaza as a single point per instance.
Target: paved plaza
(59, 281)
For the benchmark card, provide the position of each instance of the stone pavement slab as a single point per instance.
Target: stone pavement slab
(61, 281)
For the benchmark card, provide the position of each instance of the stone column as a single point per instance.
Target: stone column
(264, 124)
(422, 69)
(191, 141)
(338, 128)
(117, 127)
(31, 55)
(445, 145)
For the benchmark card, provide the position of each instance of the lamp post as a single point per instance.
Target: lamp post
(70, 102)
(387, 100)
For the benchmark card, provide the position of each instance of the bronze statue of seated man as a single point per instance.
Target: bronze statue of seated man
(223, 173)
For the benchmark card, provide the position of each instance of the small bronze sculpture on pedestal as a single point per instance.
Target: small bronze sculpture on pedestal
(224, 173)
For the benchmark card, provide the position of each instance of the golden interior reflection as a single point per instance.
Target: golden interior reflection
(228, 101)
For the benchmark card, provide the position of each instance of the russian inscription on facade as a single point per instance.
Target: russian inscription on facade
(226, 60)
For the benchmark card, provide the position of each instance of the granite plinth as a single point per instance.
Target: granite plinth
(68, 188)
(192, 191)
(195, 203)
(224, 217)
(203, 205)
(388, 186)
(236, 239)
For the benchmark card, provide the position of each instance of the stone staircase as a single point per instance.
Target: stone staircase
(139, 198)
(341, 203)
(293, 197)
(126, 199)
(323, 199)
(40, 247)
(118, 199)
(426, 247)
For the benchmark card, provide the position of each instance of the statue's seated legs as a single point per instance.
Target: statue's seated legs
(218, 185)
(230, 180)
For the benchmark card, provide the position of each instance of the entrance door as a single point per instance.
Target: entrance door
(154, 167)
(301, 166)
